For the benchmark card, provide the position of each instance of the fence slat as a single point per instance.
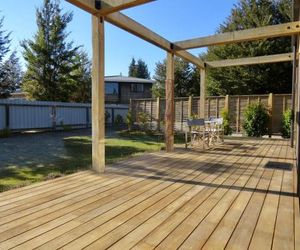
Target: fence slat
(235, 105)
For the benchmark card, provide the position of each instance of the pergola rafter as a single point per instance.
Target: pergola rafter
(107, 10)
(279, 30)
(104, 7)
(286, 57)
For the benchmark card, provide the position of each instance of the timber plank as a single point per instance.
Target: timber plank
(243, 232)
(125, 216)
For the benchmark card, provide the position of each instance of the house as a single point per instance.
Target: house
(120, 89)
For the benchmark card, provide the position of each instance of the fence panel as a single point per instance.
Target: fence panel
(23, 114)
(2, 117)
(29, 117)
(213, 108)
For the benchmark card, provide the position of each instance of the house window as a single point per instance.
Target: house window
(136, 87)
(111, 88)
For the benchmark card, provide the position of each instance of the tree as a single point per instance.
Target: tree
(256, 79)
(132, 71)
(139, 69)
(5, 87)
(186, 79)
(11, 74)
(50, 58)
(82, 85)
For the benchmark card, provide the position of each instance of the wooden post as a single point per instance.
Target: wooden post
(169, 115)
(158, 113)
(270, 106)
(190, 106)
(238, 108)
(202, 92)
(226, 105)
(98, 90)
(294, 83)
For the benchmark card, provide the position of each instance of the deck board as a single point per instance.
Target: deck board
(225, 197)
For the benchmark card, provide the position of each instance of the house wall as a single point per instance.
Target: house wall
(126, 93)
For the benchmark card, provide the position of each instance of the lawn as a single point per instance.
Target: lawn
(76, 155)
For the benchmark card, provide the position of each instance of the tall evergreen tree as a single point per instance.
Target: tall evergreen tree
(81, 90)
(132, 70)
(142, 70)
(138, 69)
(5, 87)
(256, 79)
(50, 58)
(13, 74)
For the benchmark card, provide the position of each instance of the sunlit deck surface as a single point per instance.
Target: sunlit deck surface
(239, 195)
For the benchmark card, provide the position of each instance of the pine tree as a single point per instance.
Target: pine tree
(132, 71)
(10, 69)
(82, 85)
(142, 70)
(138, 69)
(255, 79)
(50, 58)
(12, 73)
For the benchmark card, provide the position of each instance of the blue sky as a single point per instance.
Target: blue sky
(173, 19)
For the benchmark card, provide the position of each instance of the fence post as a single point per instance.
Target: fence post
(54, 117)
(112, 117)
(7, 118)
(270, 106)
(87, 117)
(190, 106)
(226, 105)
(158, 113)
(238, 114)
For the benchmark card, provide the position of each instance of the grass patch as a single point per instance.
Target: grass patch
(78, 157)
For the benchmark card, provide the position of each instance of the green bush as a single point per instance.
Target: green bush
(129, 120)
(286, 124)
(256, 120)
(5, 133)
(119, 121)
(226, 122)
(143, 120)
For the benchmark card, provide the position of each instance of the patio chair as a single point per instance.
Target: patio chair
(198, 133)
(216, 130)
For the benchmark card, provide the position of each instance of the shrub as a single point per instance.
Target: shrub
(286, 124)
(226, 122)
(129, 120)
(256, 120)
(5, 133)
(143, 120)
(119, 121)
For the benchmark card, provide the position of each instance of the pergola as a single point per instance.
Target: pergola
(108, 10)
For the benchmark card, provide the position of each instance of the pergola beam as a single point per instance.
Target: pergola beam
(286, 57)
(126, 23)
(286, 29)
(104, 7)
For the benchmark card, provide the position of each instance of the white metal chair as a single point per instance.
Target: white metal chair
(198, 133)
(216, 130)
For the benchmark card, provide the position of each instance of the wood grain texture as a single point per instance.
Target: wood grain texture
(279, 30)
(227, 197)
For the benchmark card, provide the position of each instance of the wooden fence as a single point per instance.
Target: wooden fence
(188, 106)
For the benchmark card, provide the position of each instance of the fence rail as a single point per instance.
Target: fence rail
(186, 107)
(24, 115)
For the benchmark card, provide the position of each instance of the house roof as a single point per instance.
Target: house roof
(127, 79)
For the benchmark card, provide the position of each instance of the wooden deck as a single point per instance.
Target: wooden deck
(240, 195)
